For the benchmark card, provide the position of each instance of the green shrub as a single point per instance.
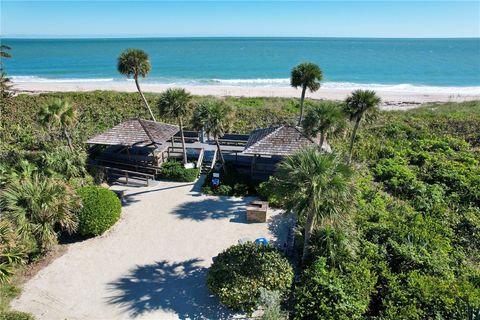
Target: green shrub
(175, 171)
(330, 294)
(265, 192)
(231, 184)
(16, 315)
(100, 210)
(238, 272)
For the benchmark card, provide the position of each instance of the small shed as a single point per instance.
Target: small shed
(270, 145)
(135, 141)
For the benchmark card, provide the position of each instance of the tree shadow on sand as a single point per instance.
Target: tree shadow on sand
(177, 287)
(213, 208)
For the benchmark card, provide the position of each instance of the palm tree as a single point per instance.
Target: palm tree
(135, 63)
(216, 118)
(200, 117)
(37, 206)
(4, 51)
(314, 185)
(12, 252)
(175, 103)
(306, 75)
(322, 118)
(59, 114)
(5, 84)
(360, 102)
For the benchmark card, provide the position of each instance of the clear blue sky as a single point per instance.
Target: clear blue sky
(240, 18)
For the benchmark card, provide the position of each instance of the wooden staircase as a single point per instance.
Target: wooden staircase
(209, 159)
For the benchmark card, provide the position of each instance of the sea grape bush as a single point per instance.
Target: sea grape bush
(175, 171)
(238, 272)
(100, 210)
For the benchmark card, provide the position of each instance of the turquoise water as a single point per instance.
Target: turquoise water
(254, 61)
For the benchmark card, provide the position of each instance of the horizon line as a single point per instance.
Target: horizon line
(67, 37)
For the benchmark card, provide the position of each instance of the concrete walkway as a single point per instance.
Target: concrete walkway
(152, 264)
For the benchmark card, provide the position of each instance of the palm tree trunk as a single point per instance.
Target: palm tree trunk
(352, 139)
(308, 232)
(322, 139)
(302, 99)
(222, 160)
(183, 141)
(143, 98)
(69, 140)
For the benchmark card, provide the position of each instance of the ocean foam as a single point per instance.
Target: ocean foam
(26, 79)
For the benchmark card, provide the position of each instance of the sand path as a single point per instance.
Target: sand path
(152, 264)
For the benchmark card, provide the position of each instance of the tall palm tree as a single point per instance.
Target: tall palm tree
(314, 185)
(219, 122)
(135, 63)
(59, 114)
(306, 75)
(175, 103)
(37, 206)
(216, 117)
(359, 103)
(322, 118)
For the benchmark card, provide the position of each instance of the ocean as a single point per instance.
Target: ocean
(395, 64)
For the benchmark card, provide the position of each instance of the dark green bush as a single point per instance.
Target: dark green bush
(326, 294)
(265, 192)
(231, 184)
(100, 210)
(175, 171)
(16, 315)
(238, 272)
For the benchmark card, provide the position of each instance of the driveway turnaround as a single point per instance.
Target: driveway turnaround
(152, 264)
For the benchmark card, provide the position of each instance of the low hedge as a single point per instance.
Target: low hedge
(175, 171)
(100, 210)
(238, 272)
(16, 315)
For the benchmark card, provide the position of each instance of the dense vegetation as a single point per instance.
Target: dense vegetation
(100, 210)
(410, 232)
(238, 272)
(175, 171)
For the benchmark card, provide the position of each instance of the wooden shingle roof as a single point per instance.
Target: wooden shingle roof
(281, 140)
(136, 132)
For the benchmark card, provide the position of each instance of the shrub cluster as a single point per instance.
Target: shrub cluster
(16, 315)
(100, 210)
(175, 171)
(231, 184)
(238, 272)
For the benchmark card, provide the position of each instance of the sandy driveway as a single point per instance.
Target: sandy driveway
(152, 264)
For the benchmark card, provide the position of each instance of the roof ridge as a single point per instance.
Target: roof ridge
(146, 130)
(303, 133)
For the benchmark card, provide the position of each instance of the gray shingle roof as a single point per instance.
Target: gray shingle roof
(281, 140)
(136, 132)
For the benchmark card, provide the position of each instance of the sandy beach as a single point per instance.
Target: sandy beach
(390, 99)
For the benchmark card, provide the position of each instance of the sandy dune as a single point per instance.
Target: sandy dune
(152, 264)
(391, 99)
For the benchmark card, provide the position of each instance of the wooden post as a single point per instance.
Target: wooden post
(252, 166)
(126, 176)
